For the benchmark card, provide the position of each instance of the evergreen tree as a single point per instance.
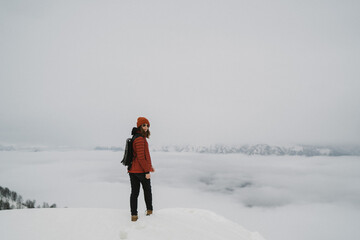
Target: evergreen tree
(6, 193)
(19, 203)
(45, 205)
(6, 205)
(13, 196)
(30, 204)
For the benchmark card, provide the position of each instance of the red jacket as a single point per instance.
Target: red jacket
(141, 160)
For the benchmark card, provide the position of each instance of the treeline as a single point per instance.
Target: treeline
(12, 200)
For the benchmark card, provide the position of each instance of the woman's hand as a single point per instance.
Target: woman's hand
(147, 176)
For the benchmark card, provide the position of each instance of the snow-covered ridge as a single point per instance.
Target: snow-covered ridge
(255, 149)
(111, 224)
(265, 149)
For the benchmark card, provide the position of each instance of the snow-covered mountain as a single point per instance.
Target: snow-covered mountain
(265, 149)
(254, 149)
(7, 148)
(114, 224)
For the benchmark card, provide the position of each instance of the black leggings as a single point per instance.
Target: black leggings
(135, 180)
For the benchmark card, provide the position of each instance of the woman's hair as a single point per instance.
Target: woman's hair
(143, 133)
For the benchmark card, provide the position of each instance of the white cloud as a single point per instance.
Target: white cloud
(281, 197)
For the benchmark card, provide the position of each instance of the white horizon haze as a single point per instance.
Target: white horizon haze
(203, 72)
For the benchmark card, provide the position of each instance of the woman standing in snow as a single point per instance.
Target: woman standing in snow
(140, 168)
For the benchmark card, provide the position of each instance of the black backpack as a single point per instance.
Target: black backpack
(128, 153)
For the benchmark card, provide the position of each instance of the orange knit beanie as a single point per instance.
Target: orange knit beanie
(141, 121)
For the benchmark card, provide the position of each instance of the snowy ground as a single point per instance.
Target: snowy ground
(112, 224)
(282, 198)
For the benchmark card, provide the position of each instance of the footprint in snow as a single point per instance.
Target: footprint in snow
(123, 235)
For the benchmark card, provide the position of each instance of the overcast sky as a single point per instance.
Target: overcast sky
(203, 72)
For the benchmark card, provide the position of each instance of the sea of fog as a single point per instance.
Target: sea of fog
(281, 197)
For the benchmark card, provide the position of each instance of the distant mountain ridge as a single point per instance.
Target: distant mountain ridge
(265, 149)
(256, 149)
(248, 149)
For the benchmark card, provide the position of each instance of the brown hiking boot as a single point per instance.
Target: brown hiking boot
(149, 212)
(134, 218)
